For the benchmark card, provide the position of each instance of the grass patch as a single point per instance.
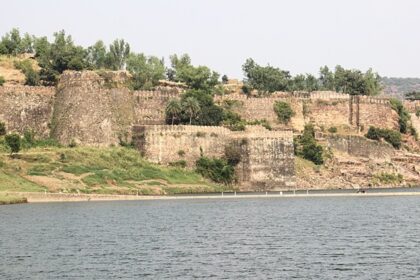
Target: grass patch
(114, 170)
(384, 178)
(11, 199)
(14, 182)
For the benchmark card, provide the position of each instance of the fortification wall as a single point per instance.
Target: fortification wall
(327, 112)
(322, 108)
(412, 105)
(361, 147)
(149, 106)
(267, 160)
(87, 112)
(165, 144)
(370, 111)
(27, 108)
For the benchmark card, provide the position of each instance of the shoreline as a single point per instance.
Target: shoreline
(60, 197)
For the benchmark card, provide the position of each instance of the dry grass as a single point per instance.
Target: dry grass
(8, 70)
(11, 199)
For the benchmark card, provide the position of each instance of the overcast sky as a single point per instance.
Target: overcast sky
(295, 35)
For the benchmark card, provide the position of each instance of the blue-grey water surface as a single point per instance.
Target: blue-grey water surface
(271, 238)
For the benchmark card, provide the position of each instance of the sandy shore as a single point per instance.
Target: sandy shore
(60, 197)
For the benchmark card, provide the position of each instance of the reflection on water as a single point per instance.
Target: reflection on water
(306, 238)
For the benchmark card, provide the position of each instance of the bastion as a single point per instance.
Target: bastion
(267, 157)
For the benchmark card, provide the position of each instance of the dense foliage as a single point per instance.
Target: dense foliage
(306, 146)
(403, 117)
(391, 136)
(284, 111)
(2, 80)
(218, 170)
(267, 79)
(13, 141)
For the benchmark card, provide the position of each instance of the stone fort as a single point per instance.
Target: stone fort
(92, 109)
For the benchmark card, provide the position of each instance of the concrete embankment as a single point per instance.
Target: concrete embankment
(59, 197)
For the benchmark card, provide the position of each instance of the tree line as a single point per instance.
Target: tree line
(63, 54)
(268, 79)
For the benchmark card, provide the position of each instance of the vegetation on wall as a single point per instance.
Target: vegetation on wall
(306, 146)
(216, 169)
(403, 117)
(284, 111)
(391, 136)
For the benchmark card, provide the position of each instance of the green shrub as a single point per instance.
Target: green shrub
(2, 80)
(32, 77)
(28, 140)
(332, 129)
(306, 146)
(403, 114)
(388, 178)
(418, 112)
(13, 142)
(2, 128)
(179, 163)
(218, 170)
(391, 136)
(284, 111)
(181, 153)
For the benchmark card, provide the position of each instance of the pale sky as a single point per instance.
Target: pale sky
(298, 35)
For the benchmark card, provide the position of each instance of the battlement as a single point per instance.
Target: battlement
(19, 89)
(151, 94)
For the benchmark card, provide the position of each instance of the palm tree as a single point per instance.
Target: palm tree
(191, 107)
(173, 109)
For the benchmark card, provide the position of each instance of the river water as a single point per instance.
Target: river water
(265, 238)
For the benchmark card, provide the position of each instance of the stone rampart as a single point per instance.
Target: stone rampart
(87, 112)
(149, 106)
(27, 108)
(322, 108)
(267, 160)
(361, 147)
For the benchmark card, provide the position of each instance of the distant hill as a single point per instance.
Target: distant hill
(398, 87)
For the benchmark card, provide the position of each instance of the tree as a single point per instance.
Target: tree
(200, 77)
(225, 79)
(146, 71)
(61, 55)
(13, 142)
(326, 78)
(27, 44)
(265, 79)
(97, 55)
(173, 110)
(284, 111)
(191, 107)
(32, 77)
(372, 83)
(11, 42)
(209, 114)
(298, 83)
(2, 80)
(311, 83)
(119, 51)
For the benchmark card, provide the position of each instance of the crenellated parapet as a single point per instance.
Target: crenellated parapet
(19, 89)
